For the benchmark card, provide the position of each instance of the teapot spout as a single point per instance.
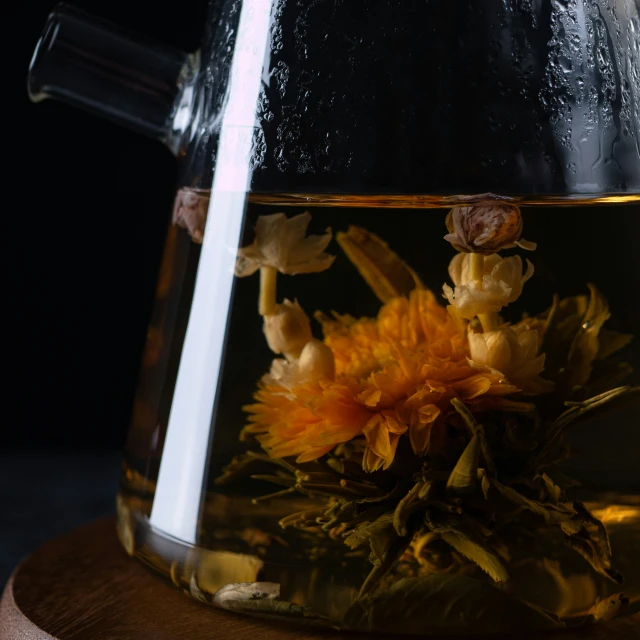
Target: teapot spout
(92, 64)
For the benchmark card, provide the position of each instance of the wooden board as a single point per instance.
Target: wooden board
(84, 587)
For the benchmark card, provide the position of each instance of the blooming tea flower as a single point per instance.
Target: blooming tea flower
(287, 329)
(502, 283)
(280, 243)
(316, 361)
(394, 375)
(486, 228)
(512, 352)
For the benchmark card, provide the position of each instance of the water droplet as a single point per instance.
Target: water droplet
(565, 64)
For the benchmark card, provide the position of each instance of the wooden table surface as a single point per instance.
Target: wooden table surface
(83, 586)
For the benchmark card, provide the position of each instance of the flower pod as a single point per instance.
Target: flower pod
(486, 228)
(287, 329)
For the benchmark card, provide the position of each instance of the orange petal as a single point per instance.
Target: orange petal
(502, 389)
(371, 461)
(472, 387)
(313, 454)
(370, 397)
(419, 434)
(428, 413)
(392, 454)
(393, 425)
(377, 437)
(403, 358)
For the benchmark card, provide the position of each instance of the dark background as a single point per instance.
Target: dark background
(85, 212)
(90, 214)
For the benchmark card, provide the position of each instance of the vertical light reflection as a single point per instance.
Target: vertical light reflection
(178, 493)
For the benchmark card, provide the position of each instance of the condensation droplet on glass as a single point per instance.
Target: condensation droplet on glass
(565, 64)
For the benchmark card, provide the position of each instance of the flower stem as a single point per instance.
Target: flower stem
(268, 285)
(489, 321)
(476, 267)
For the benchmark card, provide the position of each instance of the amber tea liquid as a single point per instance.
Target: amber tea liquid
(239, 539)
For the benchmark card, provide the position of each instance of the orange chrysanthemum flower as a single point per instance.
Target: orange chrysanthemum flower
(395, 375)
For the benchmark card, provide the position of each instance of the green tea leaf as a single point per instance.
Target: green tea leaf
(279, 610)
(485, 483)
(445, 603)
(402, 511)
(578, 411)
(337, 512)
(475, 430)
(585, 346)
(426, 489)
(574, 338)
(283, 481)
(550, 491)
(326, 490)
(555, 514)
(245, 591)
(247, 464)
(379, 534)
(562, 321)
(302, 519)
(591, 541)
(477, 552)
(391, 496)
(608, 608)
(588, 408)
(464, 476)
(261, 599)
(466, 538)
(550, 324)
(389, 559)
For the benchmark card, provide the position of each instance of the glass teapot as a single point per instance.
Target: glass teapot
(433, 427)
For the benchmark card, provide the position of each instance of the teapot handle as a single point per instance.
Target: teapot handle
(92, 64)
